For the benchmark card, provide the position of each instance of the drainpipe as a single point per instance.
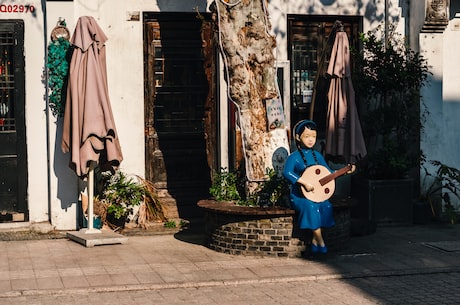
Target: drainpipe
(386, 22)
(47, 120)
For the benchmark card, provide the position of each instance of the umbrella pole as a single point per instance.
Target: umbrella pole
(91, 228)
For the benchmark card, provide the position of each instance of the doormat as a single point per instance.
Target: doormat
(447, 246)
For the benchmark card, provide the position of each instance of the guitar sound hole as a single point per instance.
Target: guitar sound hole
(327, 190)
(317, 171)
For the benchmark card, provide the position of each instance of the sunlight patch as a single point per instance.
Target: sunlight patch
(448, 246)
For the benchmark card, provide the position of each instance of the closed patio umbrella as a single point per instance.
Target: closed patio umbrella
(89, 132)
(344, 138)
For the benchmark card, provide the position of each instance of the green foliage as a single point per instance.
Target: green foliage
(58, 69)
(444, 181)
(230, 186)
(171, 224)
(225, 186)
(272, 192)
(122, 193)
(387, 78)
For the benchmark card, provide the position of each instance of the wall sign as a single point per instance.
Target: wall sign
(17, 8)
(275, 113)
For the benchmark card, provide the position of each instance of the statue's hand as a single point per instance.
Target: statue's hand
(309, 187)
(352, 170)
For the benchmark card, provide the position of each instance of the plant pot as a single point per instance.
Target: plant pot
(422, 213)
(266, 231)
(116, 222)
(97, 223)
(384, 202)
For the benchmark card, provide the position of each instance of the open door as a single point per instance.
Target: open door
(176, 107)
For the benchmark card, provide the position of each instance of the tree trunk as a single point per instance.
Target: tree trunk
(248, 51)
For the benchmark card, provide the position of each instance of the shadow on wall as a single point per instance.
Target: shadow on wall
(67, 188)
(180, 5)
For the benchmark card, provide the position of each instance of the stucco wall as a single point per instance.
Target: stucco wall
(372, 11)
(35, 105)
(125, 72)
(441, 95)
(125, 80)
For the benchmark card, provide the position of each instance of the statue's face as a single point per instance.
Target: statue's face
(307, 138)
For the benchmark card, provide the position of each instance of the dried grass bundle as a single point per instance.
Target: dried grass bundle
(151, 209)
(100, 208)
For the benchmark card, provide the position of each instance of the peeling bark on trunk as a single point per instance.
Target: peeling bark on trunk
(248, 50)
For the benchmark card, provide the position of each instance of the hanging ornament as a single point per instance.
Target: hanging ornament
(60, 31)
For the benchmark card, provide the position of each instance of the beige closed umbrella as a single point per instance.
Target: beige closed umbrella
(344, 138)
(89, 131)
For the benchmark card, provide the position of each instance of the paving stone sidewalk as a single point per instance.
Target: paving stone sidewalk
(55, 265)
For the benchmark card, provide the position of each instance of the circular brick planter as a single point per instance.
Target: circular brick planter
(270, 231)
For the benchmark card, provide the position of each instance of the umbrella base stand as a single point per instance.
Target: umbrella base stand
(90, 236)
(90, 239)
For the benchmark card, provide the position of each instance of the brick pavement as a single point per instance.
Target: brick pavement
(173, 269)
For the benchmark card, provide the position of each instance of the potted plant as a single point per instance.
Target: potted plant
(120, 194)
(439, 183)
(230, 186)
(387, 78)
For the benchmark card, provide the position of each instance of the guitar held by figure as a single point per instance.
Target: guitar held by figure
(322, 181)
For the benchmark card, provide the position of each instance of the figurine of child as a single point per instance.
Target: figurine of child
(312, 215)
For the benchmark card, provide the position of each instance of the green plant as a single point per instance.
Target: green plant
(58, 69)
(122, 193)
(438, 185)
(387, 78)
(225, 186)
(170, 224)
(272, 192)
(229, 186)
(118, 193)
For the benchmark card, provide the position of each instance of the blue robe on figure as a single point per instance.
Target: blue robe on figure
(312, 215)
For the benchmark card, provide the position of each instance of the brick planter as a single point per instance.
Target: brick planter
(268, 231)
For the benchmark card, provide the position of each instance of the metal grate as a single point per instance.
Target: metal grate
(7, 81)
(6, 39)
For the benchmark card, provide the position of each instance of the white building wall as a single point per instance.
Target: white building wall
(125, 72)
(56, 201)
(35, 115)
(451, 93)
(442, 95)
(63, 182)
(35, 106)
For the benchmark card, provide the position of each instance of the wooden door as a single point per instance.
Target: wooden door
(176, 106)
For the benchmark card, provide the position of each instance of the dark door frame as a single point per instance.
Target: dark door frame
(13, 146)
(160, 31)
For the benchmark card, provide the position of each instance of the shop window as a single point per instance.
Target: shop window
(308, 42)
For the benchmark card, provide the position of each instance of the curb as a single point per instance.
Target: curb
(145, 287)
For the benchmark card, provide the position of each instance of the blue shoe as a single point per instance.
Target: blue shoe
(322, 249)
(314, 248)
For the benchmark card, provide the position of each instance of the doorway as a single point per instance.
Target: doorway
(13, 152)
(308, 42)
(177, 101)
